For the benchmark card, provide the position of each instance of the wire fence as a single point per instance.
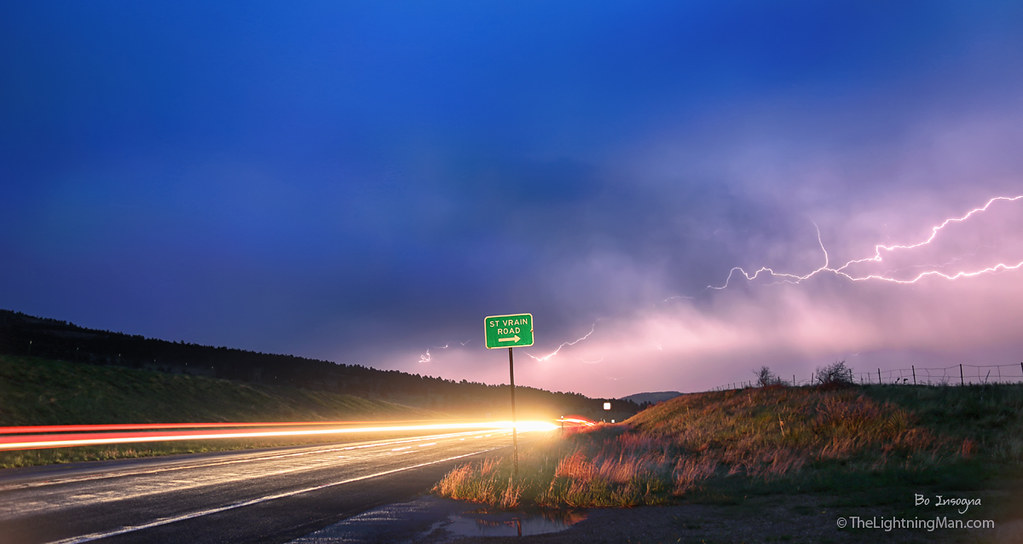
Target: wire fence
(959, 374)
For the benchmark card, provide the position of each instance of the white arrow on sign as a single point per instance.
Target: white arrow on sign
(510, 339)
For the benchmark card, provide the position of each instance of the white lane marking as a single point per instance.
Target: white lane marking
(143, 472)
(99, 494)
(172, 519)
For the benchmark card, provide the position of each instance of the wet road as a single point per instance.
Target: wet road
(263, 496)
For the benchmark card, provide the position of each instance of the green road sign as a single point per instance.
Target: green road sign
(508, 331)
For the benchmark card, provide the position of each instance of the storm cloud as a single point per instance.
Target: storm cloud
(364, 183)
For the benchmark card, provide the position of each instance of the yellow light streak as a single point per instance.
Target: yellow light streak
(23, 442)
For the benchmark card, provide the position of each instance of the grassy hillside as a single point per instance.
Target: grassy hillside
(722, 446)
(41, 392)
(36, 391)
(27, 336)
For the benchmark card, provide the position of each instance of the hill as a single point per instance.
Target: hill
(28, 336)
(652, 398)
(36, 391)
(892, 441)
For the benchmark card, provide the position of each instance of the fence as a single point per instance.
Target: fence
(960, 374)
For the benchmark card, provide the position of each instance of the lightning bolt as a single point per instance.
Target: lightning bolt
(880, 250)
(783, 276)
(428, 357)
(564, 344)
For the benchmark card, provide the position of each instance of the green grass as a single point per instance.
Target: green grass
(37, 391)
(867, 443)
(983, 418)
(41, 392)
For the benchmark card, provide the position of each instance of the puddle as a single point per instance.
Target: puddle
(434, 520)
(511, 523)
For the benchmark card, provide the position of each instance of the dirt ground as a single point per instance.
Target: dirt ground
(799, 518)
(787, 518)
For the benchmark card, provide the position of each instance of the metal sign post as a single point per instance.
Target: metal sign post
(509, 331)
(515, 438)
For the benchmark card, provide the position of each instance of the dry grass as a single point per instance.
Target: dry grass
(480, 482)
(824, 439)
(774, 432)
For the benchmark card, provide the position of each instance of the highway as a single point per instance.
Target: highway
(253, 496)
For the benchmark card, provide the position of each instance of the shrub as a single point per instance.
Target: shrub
(767, 378)
(835, 375)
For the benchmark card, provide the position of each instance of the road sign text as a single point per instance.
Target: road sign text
(508, 331)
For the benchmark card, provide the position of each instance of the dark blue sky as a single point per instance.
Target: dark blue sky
(365, 181)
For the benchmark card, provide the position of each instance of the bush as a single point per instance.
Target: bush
(835, 375)
(767, 378)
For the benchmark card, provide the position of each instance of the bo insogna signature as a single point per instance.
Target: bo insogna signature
(941, 500)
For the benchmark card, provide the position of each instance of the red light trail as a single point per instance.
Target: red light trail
(150, 426)
(577, 421)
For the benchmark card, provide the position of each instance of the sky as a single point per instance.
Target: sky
(364, 182)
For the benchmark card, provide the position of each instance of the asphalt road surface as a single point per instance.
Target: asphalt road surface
(255, 496)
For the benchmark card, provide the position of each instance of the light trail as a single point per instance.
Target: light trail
(878, 256)
(149, 426)
(577, 421)
(82, 539)
(18, 440)
(564, 344)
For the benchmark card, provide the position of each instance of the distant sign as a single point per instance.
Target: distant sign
(508, 331)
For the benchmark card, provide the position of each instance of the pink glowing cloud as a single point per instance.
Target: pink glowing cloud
(940, 290)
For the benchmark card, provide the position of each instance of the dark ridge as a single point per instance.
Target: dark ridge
(25, 335)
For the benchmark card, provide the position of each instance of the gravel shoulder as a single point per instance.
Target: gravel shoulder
(801, 518)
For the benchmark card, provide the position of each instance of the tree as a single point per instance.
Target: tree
(767, 378)
(835, 375)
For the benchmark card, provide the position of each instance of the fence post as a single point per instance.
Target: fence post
(962, 380)
(878, 376)
(914, 373)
